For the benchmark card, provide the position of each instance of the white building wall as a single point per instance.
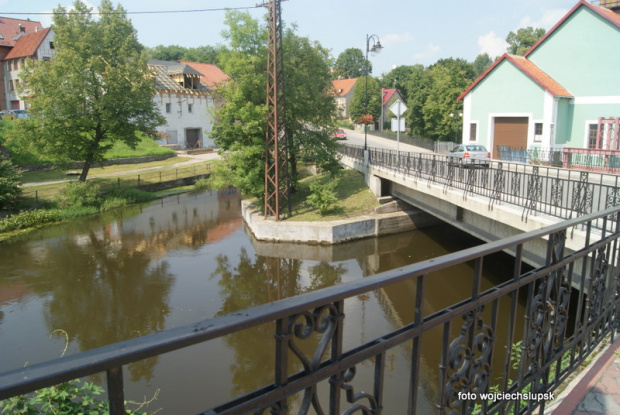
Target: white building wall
(179, 118)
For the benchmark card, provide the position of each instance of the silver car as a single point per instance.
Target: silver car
(470, 155)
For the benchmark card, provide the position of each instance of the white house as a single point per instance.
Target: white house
(185, 102)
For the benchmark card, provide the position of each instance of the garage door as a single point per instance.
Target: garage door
(510, 132)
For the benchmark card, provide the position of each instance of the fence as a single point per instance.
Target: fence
(589, 159)
(47, 193)
(433, 145)
(549, 333)
(536, 189)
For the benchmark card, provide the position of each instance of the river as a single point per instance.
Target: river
(182, 259)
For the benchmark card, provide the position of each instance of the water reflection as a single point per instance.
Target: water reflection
(188, 258)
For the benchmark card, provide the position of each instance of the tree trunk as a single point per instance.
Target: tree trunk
(86, 167)
(90, 157)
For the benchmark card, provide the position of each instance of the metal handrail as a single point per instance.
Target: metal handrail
(547, 337)
(557, 192)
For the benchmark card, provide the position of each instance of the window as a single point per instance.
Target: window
(473, 132)
(189, 108)
(538, 128)
(592, 135)
(51, 45)
(168, 110)
(11, 86)
(15, 65)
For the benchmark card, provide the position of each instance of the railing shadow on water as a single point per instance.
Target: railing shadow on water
(548, 331)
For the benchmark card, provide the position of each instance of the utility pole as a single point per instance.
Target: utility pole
(277, 177)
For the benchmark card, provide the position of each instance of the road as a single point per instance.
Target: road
(357, 138)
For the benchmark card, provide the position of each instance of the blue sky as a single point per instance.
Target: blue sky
(411, 31)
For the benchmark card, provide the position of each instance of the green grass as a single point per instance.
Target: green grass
(354, 199)
(146, 147)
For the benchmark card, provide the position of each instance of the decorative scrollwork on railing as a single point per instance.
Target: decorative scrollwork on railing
(515, 184)
(449, 178)
(613, 199)
(344, 379)
(581, 202)
(598, 281)
(534, 193)
(433, 172)
(471, 180)
(323, 320)
(498, 185)
(557, 191)
(469, 359)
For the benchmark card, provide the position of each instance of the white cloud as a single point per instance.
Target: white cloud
(429, 53)
(492, 44)
(393, 38)
(548, 19)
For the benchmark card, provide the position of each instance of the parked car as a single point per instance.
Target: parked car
(7, 115)
(20, 113)
(470, 155)
(340, 135)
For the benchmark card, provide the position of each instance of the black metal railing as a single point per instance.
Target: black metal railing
(549, 333)
(561, 193)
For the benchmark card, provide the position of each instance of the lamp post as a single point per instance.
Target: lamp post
(376, 48)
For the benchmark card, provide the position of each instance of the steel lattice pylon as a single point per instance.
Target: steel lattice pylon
(277, 178)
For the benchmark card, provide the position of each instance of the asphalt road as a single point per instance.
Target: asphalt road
(357, 138)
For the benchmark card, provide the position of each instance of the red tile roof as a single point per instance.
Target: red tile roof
(212, 75)
(387, 94)
(27, 45)
(343, 86)
(602, 11)
(10, 28)
(529, 69)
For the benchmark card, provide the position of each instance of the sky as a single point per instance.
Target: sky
(411, 31)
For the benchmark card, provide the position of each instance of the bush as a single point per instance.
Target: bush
(76, 194)
(9, 190)
(34, 218)
(67, 398)
(323, 195)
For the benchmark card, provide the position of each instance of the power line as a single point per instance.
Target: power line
(143, 12)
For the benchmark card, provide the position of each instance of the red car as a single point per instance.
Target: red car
(340, 135)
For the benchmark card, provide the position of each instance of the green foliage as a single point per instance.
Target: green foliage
(203, 184)
(523, 40)
(146, 146)
(351, 63)
(38, 217)
(96, 89)
(397, 78)
(10, 192)
(68, 398)
(202, 54)
(481, 64)
(124, 197)
(78, 194)
(240, 126)
(323, 195)
(360, 98)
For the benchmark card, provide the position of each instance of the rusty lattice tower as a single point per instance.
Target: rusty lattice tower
(277, 178)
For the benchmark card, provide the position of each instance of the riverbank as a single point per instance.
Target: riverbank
(389, 218)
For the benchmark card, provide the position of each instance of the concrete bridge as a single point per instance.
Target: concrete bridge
(492, 203)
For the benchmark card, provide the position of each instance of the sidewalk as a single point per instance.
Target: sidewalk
(195, 158)
(596, 390)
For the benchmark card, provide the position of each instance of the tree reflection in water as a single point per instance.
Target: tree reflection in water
(257, 281)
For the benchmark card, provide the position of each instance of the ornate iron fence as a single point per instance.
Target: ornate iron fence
(547, 190)
(550, 331)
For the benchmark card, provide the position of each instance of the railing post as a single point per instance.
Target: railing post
(116, 394)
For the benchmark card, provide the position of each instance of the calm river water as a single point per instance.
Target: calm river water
(186, 258)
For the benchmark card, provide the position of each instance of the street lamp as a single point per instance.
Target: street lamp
(376, 48)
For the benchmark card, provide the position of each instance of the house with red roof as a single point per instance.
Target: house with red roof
(343, 93)
(564, 93)
(211, 76)
(390, 96)
(20, 40)
(185, 102)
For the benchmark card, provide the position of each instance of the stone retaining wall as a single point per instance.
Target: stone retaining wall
(333, 232)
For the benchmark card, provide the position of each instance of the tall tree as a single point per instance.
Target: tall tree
(523, 40)
(240, 126)
(203, 54)
(418, 87)
(352, 64)
(366, 101)
(481, 64)
(397, 78)
(96, 90)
